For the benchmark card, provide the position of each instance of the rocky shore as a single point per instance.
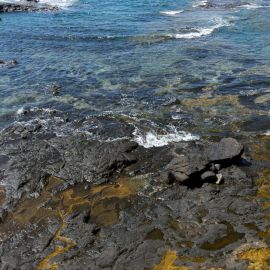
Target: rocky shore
(27, 6)
(71, 202)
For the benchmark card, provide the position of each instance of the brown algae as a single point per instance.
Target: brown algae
(101, 201)
(2, 195)
(169, 259)
(259, 257)
(168, 262)
(231, 237)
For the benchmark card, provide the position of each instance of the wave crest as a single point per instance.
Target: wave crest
(171, 12)
(152, 139)
(200, 32)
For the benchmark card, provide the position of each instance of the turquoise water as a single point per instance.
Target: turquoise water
(134, 58)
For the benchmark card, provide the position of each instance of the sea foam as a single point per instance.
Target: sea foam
(252, 6)
(58, 3)
(171, 12)
(200, 32)
(202, 3)
(152, 139)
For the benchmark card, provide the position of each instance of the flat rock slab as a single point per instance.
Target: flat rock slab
(226, 151)
(27, 163)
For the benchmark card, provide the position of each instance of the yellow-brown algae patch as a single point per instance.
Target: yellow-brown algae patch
(168, 262)
(155, 234)
(33, 210)
(259, 259)
(105, 212)
(264, 185)
(122, 189)
(197, 259)
(211, 268)
(212, 101)
(264, 192)
(100, 199)
(68, 244)
(106, 198)
(260, 150)
(2, 195)
(231, 237)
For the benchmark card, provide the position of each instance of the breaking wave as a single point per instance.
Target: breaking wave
(152, 139)
(200, 32)
(58, 3)
(171, 12)
(202, 3)
(253, 6)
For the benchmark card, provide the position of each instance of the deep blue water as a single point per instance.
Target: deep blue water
(133, 57)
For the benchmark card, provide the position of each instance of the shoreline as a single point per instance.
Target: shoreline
(194, 193)
(134, 136)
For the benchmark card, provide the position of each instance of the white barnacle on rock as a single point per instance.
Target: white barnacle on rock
(219, 178)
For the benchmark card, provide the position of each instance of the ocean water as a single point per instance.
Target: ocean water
(140, 60)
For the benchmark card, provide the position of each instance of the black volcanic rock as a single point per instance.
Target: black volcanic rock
(8, 64)
(9, 7)
(196, 165)
(27, 163)
(228, 150)
(203, 222)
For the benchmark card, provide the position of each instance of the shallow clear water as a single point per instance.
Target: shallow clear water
(136, 58)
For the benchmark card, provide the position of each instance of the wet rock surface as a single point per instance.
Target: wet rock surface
(70, 202)
(28, 6)
(8, 64)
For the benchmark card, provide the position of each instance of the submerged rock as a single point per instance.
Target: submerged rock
(262, 99)
(9, 64)
(55, 89)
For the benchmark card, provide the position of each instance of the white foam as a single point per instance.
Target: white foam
(202, 3)
(20, 111)
(200, 32)
(23, 110)
(250, 6)
(152, 139)
(267, 133)
(57, 3)
(171, 12)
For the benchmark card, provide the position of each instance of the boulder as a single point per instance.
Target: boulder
(209, 176)
(185, 167)
(227, 151)
(198, 165)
